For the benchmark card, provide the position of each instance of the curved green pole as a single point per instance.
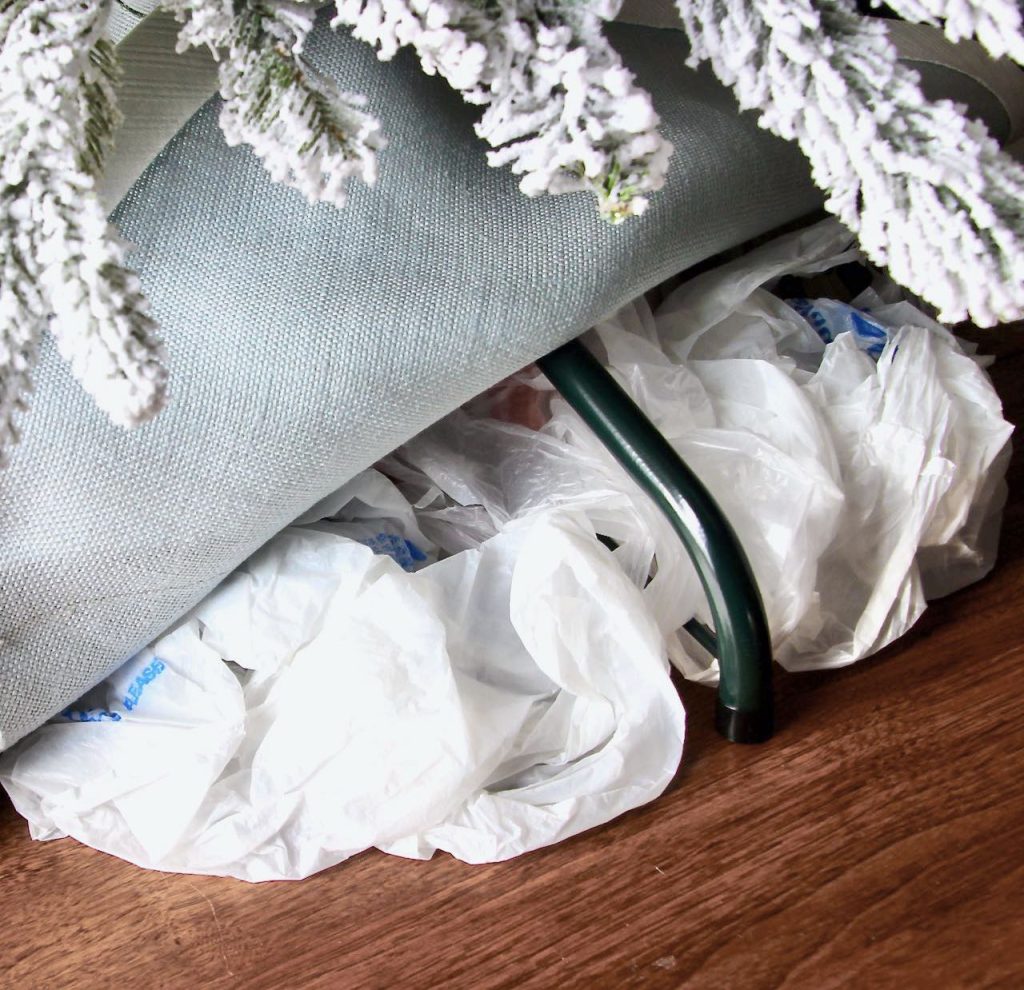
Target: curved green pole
(741, 640)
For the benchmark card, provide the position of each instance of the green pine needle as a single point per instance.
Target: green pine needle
(102, 117)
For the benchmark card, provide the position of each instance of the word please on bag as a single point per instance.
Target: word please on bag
(131, 699)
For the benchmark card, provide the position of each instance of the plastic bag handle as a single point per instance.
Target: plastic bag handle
(741, 640)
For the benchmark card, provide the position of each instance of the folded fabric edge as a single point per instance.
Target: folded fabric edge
(160, 90)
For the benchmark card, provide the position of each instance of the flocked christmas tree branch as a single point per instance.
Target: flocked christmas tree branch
(62, 265)
(996, 24)
(308, 133)
(562, 110)
(929, 193)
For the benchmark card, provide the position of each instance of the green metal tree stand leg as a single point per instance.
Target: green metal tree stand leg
(740, 641)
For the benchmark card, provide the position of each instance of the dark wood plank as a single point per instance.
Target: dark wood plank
(877, 841)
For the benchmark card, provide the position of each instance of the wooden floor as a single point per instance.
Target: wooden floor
(877, 841)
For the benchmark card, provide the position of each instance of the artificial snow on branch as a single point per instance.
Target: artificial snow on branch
(995, 24)
(61, 265)
(928, 192)
(308, 133)
(562, 109)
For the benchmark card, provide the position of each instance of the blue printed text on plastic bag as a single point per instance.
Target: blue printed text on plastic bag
(831, 318)
(149, 673)
(89, 715)
(131, 700)
(403, 552)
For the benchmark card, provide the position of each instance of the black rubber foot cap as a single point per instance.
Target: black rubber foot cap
(744, 727)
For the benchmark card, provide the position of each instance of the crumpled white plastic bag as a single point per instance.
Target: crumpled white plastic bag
(452, 660)
(917, 436)
(324, 701)
(856, 483)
